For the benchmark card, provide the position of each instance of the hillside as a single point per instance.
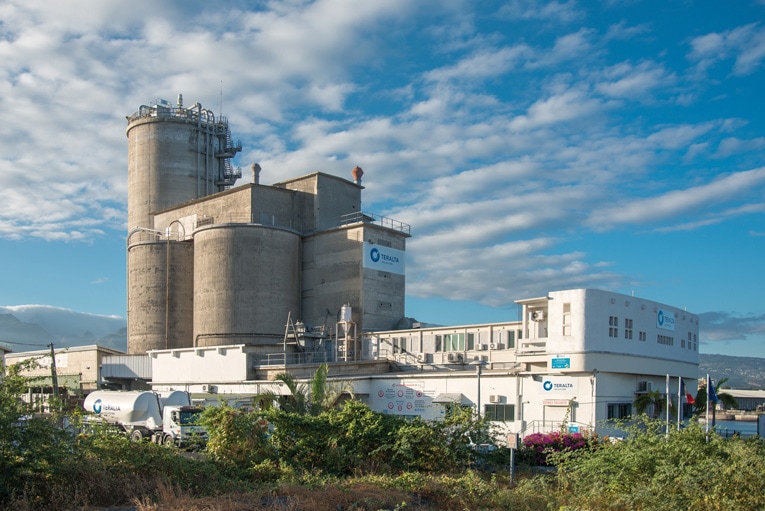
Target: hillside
(30, 327)
(742, 372)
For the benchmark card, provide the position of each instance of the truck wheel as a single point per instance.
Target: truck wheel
(136, 435)
(169, 440)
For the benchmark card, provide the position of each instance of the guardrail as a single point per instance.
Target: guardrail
(373, 218)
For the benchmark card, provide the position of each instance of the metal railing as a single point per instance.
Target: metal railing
(373, 218)
(545, 426)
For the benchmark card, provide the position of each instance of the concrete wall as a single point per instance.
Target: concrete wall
(331, 268)
(246, 283)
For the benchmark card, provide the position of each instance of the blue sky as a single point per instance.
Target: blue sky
(532, 145)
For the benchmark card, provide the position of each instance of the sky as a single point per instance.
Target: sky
(532, 145)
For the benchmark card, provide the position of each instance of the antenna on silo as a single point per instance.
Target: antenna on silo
(220, 112)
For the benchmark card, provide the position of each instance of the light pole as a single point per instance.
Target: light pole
(478, 366)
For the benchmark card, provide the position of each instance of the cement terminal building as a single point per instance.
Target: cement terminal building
(228, 286)
(211, 265)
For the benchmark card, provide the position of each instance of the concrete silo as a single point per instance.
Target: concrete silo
(160, 292)
(246, 282)
(175, 155)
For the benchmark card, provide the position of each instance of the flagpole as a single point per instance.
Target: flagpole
(680, 398)
(706, 427)
(667, 399)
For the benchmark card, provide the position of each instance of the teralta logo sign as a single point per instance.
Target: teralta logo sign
(550, 386)
(383, 258)
(665, 320)
(377, 256)
(99, 406)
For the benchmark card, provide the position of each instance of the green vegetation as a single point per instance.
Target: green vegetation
(346, 456)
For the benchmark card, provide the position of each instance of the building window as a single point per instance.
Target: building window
(499, 413)
(454, 342)
(665, 339)
(642, 336)
(617, 411)
(566, 319)
(627, 328)
(394, 341)
(682, 343)
(613, 326)
(511, 339)
(438, 343)
(471, 341)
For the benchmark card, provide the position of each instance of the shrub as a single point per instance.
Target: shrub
(541, 447)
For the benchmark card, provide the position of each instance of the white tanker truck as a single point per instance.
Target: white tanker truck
(163, 418)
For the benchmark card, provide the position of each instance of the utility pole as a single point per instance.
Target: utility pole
(53, 375)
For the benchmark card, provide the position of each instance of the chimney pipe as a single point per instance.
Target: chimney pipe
(357, 173)
(255, 168)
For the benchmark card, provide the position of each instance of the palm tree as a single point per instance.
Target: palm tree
(700, 406)
(654, 399)
(307, 399)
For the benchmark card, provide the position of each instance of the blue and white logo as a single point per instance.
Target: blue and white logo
(665, 320)
(375, 255)
(97, 406)
(547, 385)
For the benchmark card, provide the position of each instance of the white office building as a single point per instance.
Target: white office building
(577, 358)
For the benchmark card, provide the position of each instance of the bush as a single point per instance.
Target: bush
(540, 448)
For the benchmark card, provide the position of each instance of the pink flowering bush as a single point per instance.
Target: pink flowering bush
(538, 446)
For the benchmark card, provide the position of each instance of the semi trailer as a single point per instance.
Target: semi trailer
(162, 418)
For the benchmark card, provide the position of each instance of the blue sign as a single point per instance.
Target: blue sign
(561, 363)
(573, 429)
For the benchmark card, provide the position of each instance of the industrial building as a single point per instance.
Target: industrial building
(211, 265)
(228, 286)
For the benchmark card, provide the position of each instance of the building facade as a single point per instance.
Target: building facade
(577, 358)
(211, 265)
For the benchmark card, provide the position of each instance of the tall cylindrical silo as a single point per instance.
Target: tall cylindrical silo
(175, 155)
(246, 282)
(160, 295)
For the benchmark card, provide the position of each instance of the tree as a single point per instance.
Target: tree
(656, 401)
(727, 400)
(312, 398)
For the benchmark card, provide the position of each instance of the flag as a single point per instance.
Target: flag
(712, 395)
(688, 397)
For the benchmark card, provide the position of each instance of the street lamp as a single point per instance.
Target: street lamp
(478, 366)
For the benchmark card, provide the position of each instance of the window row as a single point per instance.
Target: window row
(502, 339)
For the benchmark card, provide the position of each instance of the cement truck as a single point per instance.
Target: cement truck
(164, 418)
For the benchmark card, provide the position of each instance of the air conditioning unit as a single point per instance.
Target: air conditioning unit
(483, 347)
(204, 388)
(645, 386)
(495, 399)
(493, 346)
(454, 357)
(500, 346)
(538, 316)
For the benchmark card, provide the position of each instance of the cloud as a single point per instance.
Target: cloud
(561, 12)
(730, 326)
(678, 202)
(744, 44)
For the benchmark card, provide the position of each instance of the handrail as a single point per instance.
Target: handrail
(373, 218)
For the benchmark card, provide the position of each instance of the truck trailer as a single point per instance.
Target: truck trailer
(163, 418)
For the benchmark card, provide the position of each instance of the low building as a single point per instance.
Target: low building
(78, 371)
(577, 358)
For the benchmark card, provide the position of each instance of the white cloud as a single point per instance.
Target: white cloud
(677, 202)
(745, 44)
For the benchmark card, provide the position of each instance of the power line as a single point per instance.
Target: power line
(24, 344)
